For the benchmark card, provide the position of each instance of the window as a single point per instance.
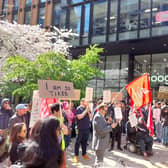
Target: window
(41, 16)
(28, 2)
(15, 17)
(99, 21)
(62, 23)
(75, 22)
(27, 17)
(113, 20)
(42, 1)
(145, 14)
(159, 17)
(56, 15)
(86, 23)
(128, 19)
(16, 4)
(5, 3)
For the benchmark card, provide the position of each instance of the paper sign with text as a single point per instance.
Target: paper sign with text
(107, 96)
(116, 96)
(156, 114)
(55, 89)
(133, 120)
(89, 94)
(76, 95)
(35, 114)
(118, 113)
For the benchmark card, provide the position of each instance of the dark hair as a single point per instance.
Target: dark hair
(49, 145)
(13, 136)
(55, 107)
(35, 131)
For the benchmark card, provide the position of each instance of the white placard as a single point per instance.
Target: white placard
(118, 113)
(35, 114)
(133, 120)
(156, 114)
(107, 96)
(89, 94)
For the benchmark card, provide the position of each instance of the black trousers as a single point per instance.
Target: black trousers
(145, 144)
(116, 136)
(81, 139)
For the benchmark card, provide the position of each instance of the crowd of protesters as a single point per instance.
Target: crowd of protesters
(44, 145)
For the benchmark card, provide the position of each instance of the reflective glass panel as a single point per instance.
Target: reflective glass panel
(16, 3)
(56, 15)
(75, 21)
(128, 19)
(159, 17)
(5, 3)
(27, 17)
(113, 20)
(86, 24)
(145, 18)
(99, 21)
(62, 19)
(42, 1)
(28, 2)
(15, 17)
(41, 16)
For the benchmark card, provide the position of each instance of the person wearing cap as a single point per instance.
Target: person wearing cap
(19, 116)
(5, 114)
(144, 140)
(101, 130)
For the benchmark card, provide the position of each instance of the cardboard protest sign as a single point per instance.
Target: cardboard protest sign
(163, 92)
(133, 120)
(107, 96)
(35, 114)
(116, 96)
(156, 114)
(76, 96)
(55, 89)
(118, 113)
(89, 94)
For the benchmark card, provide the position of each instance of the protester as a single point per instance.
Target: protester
(164, 121)
(45, 152)
(57, 114)
(19, 116)
(101, 130)
(73, 109)
(17, 135)
(5, 115)
(144, 140)
(116, 132)
(83, 115)
(157, 122)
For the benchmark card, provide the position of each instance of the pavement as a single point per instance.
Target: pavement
(121, 159)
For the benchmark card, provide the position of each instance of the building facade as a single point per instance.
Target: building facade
(133, 33)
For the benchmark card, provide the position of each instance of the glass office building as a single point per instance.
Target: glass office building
(133, 33)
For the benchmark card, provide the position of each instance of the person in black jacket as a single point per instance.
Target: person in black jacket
(144, 140)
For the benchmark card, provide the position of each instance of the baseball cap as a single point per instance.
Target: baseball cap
(20, 106)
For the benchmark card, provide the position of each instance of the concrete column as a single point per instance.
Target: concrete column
(34, 12)
(48, 13)
(9, 10)
(21, 11)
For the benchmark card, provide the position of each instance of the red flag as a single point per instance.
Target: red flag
(44, 107)
(150, 121)
(139, 91)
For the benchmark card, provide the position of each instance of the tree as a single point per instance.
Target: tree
(21, 74)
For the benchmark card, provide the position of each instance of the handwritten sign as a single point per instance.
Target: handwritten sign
(163, 92)
(89, 94)
(55, 89)
(118, 113)
(35, 114)
(133, 120)
(156, 114)
(107, 96)
(76, 95)
(116, 96)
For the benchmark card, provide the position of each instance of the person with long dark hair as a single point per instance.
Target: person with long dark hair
(17, 136)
